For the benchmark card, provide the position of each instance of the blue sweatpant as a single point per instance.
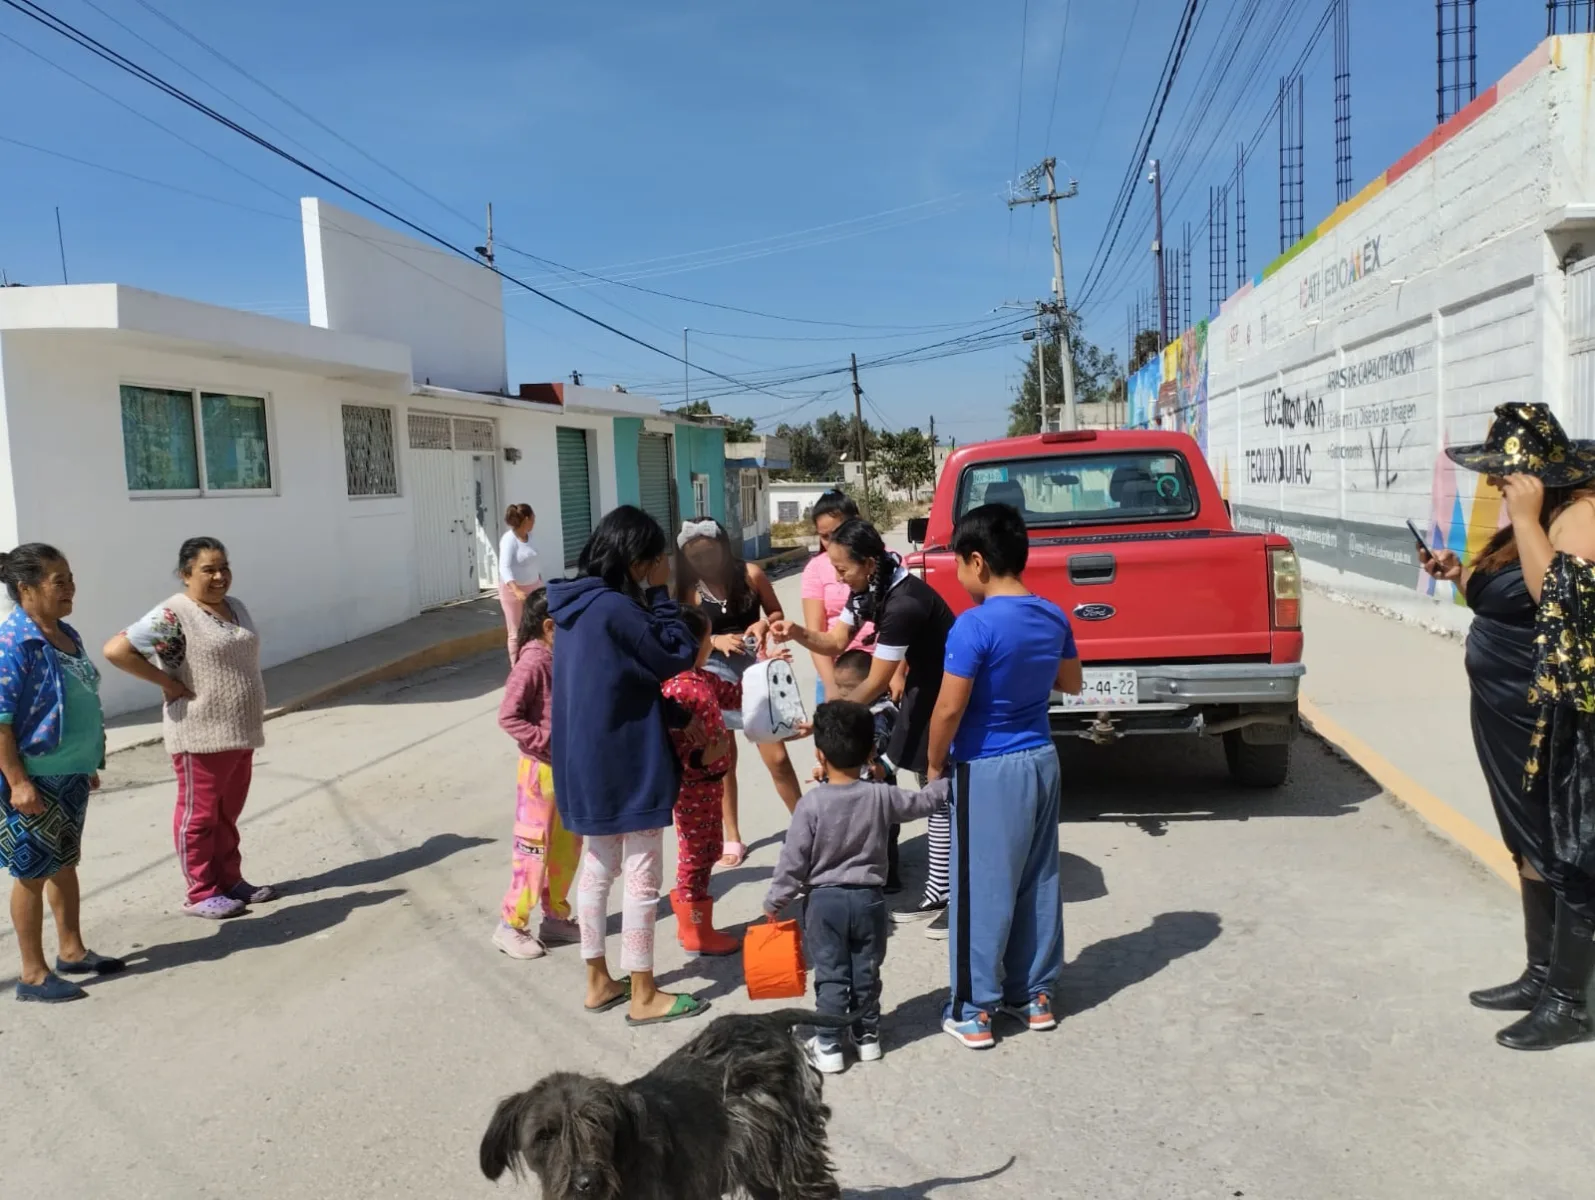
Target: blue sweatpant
(1005, 911)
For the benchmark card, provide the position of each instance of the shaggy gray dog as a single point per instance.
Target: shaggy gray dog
(735, 1111)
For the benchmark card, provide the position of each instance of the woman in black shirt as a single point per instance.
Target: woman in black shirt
(911, 626)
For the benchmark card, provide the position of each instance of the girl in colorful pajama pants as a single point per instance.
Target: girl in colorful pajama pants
(545, 854)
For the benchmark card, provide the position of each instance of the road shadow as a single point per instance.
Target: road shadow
(385, 867)
(275, 926)
(1153, 783)
(709, 978)
(1106, 968)
(468, 679)
(925, 1189)
(1100, 972)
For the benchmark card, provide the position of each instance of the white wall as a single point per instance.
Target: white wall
(803, 494)
(1336, 384)
(367, 278)
(316, 567)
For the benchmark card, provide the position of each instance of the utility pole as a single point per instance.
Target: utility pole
(858, 426)
(1156, 179)
(1048, 172)
(686, 370)
(1041, 360)
(487, 251)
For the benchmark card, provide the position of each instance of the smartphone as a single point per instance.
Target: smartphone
(1418, 537)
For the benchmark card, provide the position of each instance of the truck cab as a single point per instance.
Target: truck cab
(1185, 625)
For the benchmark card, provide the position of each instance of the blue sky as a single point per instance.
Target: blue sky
(835, 162)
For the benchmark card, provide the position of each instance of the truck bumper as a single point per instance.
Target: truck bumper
(1259, 698)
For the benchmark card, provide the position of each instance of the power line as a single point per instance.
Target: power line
(1057, 74)
(65, 29)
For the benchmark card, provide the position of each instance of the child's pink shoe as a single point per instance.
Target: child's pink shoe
(517, 943)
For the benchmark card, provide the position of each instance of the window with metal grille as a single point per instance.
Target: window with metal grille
(472, 435)
(369, 465)
(428, 432)
(787, 511)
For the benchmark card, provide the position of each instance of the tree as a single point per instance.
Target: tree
(739, 430)
(1096, 379)
(906, 460)
(817, 450)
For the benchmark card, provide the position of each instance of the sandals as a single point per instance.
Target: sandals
(614, 1002)
(683, 1007)
(248, 893)
(54, 990)
(90, 964)
(733, 854)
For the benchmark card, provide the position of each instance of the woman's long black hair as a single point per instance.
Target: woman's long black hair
(863, 541)
(626, 536)
(1500, 551)
(533, 615)
(738, 590)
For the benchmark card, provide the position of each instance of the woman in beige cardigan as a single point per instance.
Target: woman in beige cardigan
(201, 649)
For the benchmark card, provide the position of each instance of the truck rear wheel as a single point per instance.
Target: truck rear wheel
(1256, 765)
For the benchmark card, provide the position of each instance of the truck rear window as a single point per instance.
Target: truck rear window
(1084, 489)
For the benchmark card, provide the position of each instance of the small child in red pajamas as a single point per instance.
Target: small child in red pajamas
(698, 812)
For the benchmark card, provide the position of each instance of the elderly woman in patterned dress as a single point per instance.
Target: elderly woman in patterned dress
(52, 744)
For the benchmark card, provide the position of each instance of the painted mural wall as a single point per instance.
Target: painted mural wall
(1324, 392)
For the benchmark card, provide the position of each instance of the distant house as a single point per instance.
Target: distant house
(791, 500)
(357, 467)
(747, 484)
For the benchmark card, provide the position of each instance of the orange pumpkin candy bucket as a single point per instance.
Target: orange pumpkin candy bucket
(772, 961)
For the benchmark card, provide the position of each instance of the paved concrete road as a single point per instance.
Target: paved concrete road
(1265, 996)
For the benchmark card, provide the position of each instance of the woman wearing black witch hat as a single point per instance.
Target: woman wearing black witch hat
(1530, 661)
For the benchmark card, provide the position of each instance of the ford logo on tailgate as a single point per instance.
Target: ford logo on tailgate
(1094, 612)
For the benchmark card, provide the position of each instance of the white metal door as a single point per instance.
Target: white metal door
(1579, 415)
(440, 546)
(486, 519)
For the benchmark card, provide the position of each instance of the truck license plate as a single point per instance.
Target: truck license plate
(1106, 689)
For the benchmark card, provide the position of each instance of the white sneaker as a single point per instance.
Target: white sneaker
(517, 943)
(827, 1060)
(869, 1048)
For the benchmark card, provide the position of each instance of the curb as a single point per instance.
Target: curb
(438, 655)
(1488, 849)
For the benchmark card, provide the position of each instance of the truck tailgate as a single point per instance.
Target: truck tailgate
(1164, 596)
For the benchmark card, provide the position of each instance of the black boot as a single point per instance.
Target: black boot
(1539, 919)
(1562, 1015)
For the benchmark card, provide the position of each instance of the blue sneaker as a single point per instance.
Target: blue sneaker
(974, 1033)
(1036, 1015)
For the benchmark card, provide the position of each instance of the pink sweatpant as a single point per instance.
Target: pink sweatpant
(512, 605)
(211, 790)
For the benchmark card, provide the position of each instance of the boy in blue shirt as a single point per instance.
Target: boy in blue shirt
(991, 733)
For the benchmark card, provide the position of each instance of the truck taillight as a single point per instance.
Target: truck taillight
(1284, 576)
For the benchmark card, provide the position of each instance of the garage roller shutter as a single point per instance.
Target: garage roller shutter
(656, 489)
(575, 492)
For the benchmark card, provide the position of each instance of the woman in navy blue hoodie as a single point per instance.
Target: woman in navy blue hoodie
(619, 637)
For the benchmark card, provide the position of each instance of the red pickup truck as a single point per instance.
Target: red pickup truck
(1185, 624)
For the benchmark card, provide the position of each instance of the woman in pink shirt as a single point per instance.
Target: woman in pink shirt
(823, 595)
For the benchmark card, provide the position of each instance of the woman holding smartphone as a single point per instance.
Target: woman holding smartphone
(1501, 662)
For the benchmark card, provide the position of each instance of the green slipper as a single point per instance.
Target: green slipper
(685, 1006)
(614, 1001)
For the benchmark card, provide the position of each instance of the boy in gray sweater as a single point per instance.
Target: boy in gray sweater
(836, 850)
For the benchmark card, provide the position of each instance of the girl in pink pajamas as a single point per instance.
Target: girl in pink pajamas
(545, 853)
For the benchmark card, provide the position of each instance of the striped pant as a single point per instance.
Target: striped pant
(545, 854)
(211, 790)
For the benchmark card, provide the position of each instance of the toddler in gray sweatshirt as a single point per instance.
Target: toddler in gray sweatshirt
(836, 851)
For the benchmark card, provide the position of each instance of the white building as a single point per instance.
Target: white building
(355, 478)
(1461, 278)
(791, 500)
(748, 467)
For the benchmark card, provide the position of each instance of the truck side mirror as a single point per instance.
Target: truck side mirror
(917, 527)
